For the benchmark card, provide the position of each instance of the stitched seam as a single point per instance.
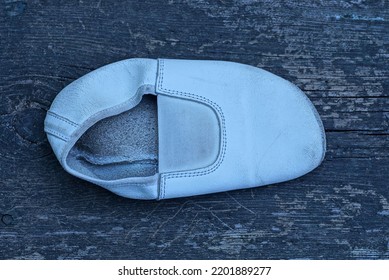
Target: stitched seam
(224, 136)
(54, 115)
(127, 184)
(102, 112)
(59, 135)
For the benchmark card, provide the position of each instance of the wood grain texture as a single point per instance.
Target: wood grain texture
(336, 51)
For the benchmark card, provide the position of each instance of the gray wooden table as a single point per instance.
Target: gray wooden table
(336, 51)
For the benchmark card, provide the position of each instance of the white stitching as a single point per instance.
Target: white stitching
(54, 115)
(213, 105)
(59, 135)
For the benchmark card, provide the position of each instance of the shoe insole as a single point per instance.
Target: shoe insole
(125, 145)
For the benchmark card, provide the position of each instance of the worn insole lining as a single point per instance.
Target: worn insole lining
(125, 145)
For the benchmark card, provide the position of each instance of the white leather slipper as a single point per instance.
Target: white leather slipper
(156, 129)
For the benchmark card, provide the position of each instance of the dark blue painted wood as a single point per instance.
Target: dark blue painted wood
(336, 51)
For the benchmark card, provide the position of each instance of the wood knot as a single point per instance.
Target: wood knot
(22, 131)
(14, 8)
(7, 219)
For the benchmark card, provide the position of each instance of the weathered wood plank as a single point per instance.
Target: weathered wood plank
(336, 51)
